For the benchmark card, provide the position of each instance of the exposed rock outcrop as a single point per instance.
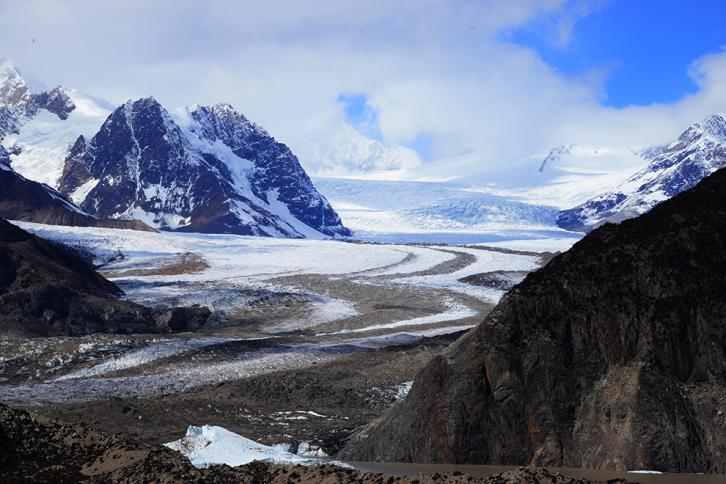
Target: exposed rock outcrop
(612, 356)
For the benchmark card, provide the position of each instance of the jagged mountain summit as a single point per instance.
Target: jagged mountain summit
(37, 129)
(698, 152)
(17, 101)
(611, 356)
(206, 169)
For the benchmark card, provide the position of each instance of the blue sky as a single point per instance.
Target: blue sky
(644, 46)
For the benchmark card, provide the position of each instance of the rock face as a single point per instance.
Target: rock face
(207, 170)
(47, 290)
(671, 169)
(611, 356)
(29, 201)
(204, 169)
(20, 197)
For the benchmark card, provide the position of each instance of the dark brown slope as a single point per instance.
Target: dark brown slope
(45, 289)
(49, 290)
(30, 201)
(611, 356)
(38, 450)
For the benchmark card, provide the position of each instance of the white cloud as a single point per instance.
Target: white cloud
(428, 66)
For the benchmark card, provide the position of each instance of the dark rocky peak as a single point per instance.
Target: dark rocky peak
(75, 169)
(222, 122)
(13, 88)
(56, 101)
(277, 175)
(219, 173)
(16, 97)
(138, 132)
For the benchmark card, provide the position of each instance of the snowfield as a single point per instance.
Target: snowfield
(45, 140)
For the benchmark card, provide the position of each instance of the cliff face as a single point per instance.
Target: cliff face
(611, 356)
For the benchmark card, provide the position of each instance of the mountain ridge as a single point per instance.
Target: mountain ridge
(139, 161)
(697, 152)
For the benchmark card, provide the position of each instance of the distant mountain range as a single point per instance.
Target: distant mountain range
(210, 169)
(671, 169)
(346, 152)
(202, 169)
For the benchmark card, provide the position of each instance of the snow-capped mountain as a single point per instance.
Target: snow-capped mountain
(38, 129)
(698, 152)
(16, 97)
(207, 169)
(349, 153)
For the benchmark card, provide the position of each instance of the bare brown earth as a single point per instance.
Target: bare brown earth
(188, 263)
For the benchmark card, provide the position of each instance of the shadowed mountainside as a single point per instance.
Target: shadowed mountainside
(611, 356)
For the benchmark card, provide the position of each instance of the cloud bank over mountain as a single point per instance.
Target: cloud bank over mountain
(447, 76)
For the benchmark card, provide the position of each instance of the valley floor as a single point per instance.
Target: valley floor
(308, 340)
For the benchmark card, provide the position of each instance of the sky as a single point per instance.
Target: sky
(489, 82)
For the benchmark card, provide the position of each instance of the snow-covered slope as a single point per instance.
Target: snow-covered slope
(348, 153)
(38, 129)
(207, 446)
(207, 169)
(43, 141)
(674, 168)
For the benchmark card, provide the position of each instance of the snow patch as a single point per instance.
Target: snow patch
(80, 193)
(208, 446)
